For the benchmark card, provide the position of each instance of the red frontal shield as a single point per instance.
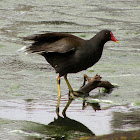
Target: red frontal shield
(113, 38)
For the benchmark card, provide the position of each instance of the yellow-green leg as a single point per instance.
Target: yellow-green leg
(59, 95)
(70, 99)
(68, 84)
(67, 105)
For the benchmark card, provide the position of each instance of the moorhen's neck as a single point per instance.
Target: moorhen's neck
(98, 40)
(96, 44)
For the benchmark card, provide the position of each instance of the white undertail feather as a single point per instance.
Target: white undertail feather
(23, 49)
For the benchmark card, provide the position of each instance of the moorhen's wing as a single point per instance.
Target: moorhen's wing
(53, 42)
(50, 37)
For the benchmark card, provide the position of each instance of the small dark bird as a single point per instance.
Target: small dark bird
(67, 53)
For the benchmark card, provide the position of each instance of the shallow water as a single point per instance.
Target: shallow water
(28, 90)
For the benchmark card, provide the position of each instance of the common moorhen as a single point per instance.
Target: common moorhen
(67, 53)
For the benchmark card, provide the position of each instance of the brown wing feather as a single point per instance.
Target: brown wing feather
(50, 37)
(53, 42)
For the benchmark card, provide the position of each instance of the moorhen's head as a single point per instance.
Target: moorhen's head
(107, 35)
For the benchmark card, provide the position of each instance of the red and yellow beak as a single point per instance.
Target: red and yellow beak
(113, 38)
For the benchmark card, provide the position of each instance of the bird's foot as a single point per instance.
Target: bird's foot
(64, 114)
(67, 105)
(57, 111)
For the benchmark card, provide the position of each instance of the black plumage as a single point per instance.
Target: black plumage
(67, 53)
